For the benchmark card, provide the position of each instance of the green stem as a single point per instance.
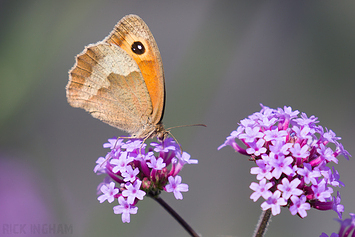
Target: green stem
(176, 216)
(264, 221)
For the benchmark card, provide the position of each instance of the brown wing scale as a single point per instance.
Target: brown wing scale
(119, 86)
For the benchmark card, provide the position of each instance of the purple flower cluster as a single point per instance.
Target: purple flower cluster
(347, 228)
(291, 154)
(133, 172)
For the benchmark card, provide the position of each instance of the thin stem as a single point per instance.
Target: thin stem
(264, 221)
(176, 216)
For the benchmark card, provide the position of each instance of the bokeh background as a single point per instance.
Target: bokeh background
(221, 59)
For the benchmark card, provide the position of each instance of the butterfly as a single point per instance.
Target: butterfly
(120, 80)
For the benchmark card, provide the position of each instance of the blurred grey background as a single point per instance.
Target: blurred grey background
(221, 59)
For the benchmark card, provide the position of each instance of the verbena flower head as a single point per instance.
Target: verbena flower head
(347, 228)
(291, 153)
(134, 172)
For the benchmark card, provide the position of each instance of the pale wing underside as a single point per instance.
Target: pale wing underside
(128, 30)
(107, 82)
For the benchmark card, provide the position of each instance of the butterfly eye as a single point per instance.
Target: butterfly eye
(138, 48)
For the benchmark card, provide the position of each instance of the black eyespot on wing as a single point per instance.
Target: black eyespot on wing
(138, 48)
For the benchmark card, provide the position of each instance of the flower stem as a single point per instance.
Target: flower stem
(176, 216)
(264, 221)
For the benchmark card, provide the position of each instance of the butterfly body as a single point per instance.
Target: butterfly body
(120, 80)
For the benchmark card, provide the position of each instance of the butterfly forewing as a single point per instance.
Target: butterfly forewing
(129, 30)
(120, 80)
(107, 82)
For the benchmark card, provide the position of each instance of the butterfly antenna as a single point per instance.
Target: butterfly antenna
(108, 157)
(140, 149)
(190, 125)
(175, 140)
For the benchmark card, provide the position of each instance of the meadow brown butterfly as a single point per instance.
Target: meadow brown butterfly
(120, 80)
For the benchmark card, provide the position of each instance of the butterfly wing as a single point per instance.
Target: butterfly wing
(107, 82)
(120, 80)
(132, 29)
